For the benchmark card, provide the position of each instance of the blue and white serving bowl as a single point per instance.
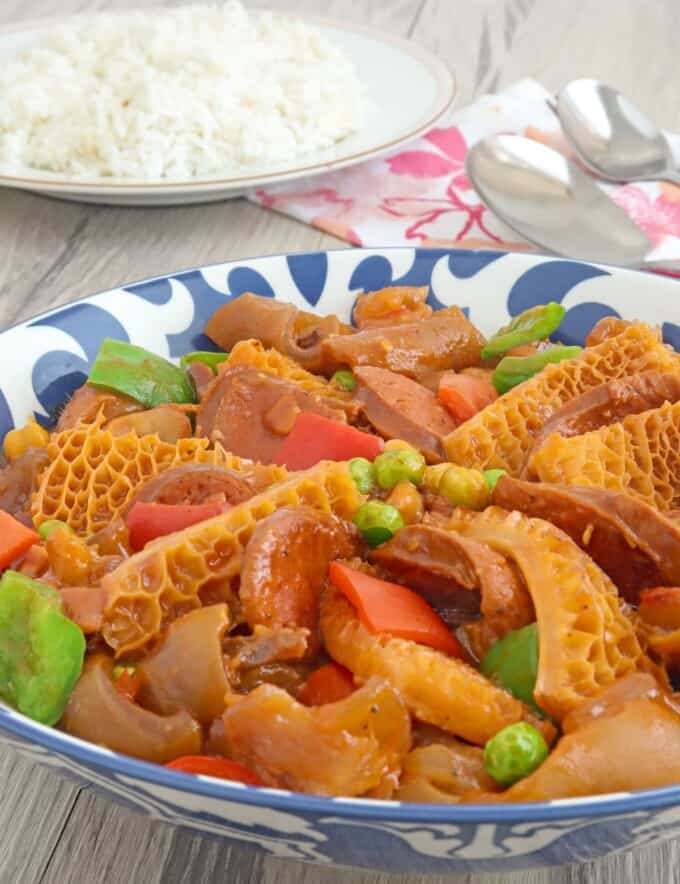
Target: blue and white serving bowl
(43, 359)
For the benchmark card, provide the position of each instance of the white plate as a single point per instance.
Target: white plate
(408, 90)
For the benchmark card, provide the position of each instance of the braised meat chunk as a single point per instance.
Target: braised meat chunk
(399, 408)
(635, 544)
(459, 577)
(446, 340)
(249, 412)
(276, 324)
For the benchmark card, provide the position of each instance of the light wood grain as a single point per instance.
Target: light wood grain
(54, 251)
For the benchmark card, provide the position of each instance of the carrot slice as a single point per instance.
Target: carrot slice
(15, 539)
(328, 684)
(389, 607)
(210, 766)
(314, 438)
(464, 395)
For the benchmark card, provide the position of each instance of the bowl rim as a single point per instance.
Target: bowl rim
(90, 754)
(369, 251)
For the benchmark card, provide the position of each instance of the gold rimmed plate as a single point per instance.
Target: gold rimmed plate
(408, 90)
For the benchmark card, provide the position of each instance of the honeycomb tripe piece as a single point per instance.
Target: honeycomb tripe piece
(500, 435)
(251, 352)
(640, 455)
(586, 640)
(93, 474)
(437, 689)
(173, 574)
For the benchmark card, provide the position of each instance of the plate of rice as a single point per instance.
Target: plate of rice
(203, 102)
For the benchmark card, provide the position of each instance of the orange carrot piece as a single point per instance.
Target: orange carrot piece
(389, 607)
(15, 539)
(464, 395)
(328, 684)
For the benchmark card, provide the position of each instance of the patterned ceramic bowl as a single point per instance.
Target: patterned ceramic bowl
(45, 358)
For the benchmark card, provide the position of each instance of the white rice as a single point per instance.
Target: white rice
(198, 91)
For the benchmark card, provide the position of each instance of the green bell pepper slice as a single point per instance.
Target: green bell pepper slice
(135, 372)
(534, 324)
(207, 357)
(512, 663)
(513, 370)
(41, 650)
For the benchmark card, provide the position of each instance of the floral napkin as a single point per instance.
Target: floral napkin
(419, 195)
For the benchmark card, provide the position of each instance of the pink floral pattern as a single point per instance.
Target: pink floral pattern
(447, 160)
(658, 216)
(420, 194)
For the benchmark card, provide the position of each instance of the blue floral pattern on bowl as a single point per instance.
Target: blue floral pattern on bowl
(46, 358)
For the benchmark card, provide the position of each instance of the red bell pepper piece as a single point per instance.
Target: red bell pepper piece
(328, 684)
(146, 521)
(392, 608)
(15, 539)
(314, 438)
(210, 766)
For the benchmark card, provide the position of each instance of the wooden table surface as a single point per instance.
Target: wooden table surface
(51, 252)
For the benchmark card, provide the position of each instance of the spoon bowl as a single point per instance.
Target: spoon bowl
(551, 202)
(612, 136)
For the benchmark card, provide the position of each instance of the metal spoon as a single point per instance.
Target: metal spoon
(555, 205)
(612, 136)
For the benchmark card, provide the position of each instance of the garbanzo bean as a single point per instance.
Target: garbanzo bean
(17, 442)
(398, 445)
(459, 485)
(406, 498)
(69, 556)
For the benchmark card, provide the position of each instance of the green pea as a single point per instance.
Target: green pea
(378, 521)
(492, 477)
(363, 472)
(513, 370)
(514, 752)
(41, 650)
(534, 324)
(345, 379)
(403, 464)
(51, 525)
(512, 662)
